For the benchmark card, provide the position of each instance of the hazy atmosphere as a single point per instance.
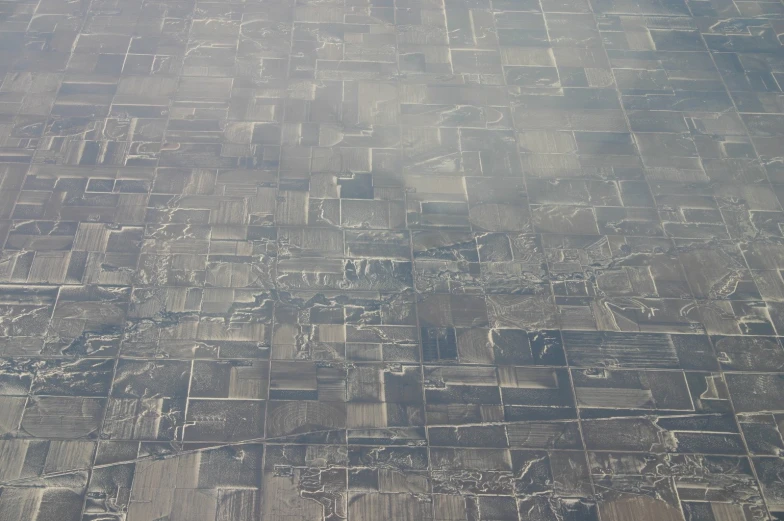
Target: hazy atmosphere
(391, 260)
